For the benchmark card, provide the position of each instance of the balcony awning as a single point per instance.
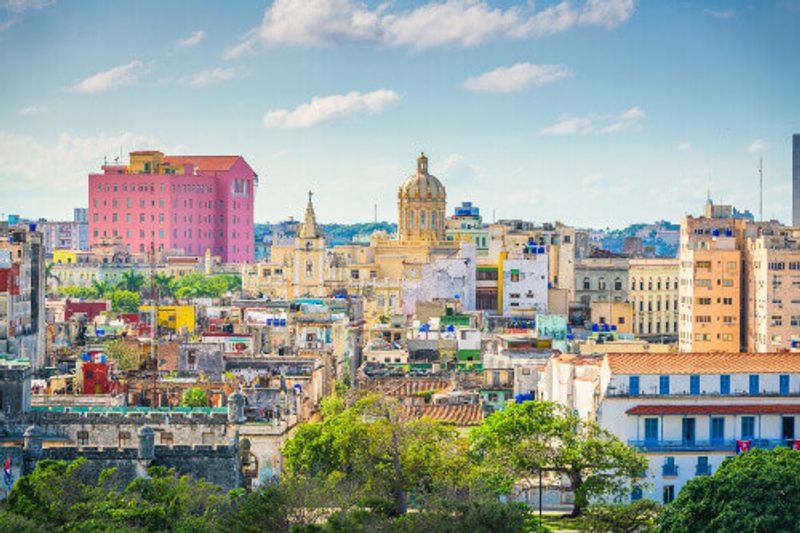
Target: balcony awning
(723, 409)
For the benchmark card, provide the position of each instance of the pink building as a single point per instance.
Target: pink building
(189, 203)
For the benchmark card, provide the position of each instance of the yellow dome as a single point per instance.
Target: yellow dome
(422, 185)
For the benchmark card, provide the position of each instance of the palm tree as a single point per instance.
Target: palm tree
(132, 281)
(103, 287)
(163, 283)
(48, 275)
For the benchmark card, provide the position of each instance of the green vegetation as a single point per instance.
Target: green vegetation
(344, 233)
(123, 301)
(197, 285)
(194, 285)
(757, 491)
(194, 397)
(512, 444)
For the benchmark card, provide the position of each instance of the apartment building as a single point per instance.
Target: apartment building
(689, 411)
(653, 294)
(22, 294)
(710, 281)
(773, 291)
(186, 203)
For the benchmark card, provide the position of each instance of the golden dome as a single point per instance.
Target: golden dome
(421, 184)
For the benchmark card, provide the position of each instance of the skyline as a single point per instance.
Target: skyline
(335, 95)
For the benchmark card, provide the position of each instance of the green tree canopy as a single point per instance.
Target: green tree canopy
(511, 444)
(75, 291)
(123, 301)
(370, 446)
(132, 281)
(757, 491)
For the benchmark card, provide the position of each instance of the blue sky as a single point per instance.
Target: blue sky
(598, 113)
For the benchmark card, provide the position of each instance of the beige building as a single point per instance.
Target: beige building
(616, 314)
(710, 283)
(375, 271)
(653, 294)
(773, 291)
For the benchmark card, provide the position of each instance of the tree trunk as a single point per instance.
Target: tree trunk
(576, 481)
(400, 502)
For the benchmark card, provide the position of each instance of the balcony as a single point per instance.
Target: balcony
(702, 470)
(669, 470)
(703, 445)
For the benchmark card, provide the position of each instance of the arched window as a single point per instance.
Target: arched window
(422, 220)
(586, 283)
(433, 220)
(411, 221)
(617, 284)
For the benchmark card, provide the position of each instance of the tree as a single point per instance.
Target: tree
(757, 491)
(123, 301)
(132, 281)
(60, 496)
(369, 445)
(49, 275)
(75, 291)
(512, 444)
(194, 397)
(635, 517)
(163, 283)
(103, 287)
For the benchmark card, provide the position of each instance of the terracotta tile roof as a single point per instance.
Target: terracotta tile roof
(208, 163)
(724, 409)
(460, 415)
(412, 387)
(703, 363)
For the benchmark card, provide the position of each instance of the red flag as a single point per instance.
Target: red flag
(7, 465)
(796, 444)
(743, 445)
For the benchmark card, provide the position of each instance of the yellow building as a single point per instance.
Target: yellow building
(375, 271)
(653, 294)
(174, 317)
(617, 314)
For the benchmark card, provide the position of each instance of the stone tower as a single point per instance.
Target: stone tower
(309, 255)
(421, 204)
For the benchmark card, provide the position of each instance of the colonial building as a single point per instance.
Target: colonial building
(653, 294)
(688, 412)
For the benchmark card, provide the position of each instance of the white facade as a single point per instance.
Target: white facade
(688, 423)
(525, 284)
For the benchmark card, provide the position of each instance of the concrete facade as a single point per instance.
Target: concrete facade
(188, 203)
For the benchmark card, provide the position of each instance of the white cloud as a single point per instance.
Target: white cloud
(210, 77)
(331, 108)
(455, 169)
(110, 79)
(40, 178)
(757, 146)
(192, 40)
(684, 147)
(12, 10)
(516, 78)
(720, 14)
(32, 110)
(436, 23)
(569, 125)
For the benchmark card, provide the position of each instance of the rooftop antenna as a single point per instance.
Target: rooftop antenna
(761, 189)
(376, 212)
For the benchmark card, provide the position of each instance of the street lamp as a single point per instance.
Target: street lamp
(538, 467)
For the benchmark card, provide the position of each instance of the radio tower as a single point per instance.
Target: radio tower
(761, 189)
